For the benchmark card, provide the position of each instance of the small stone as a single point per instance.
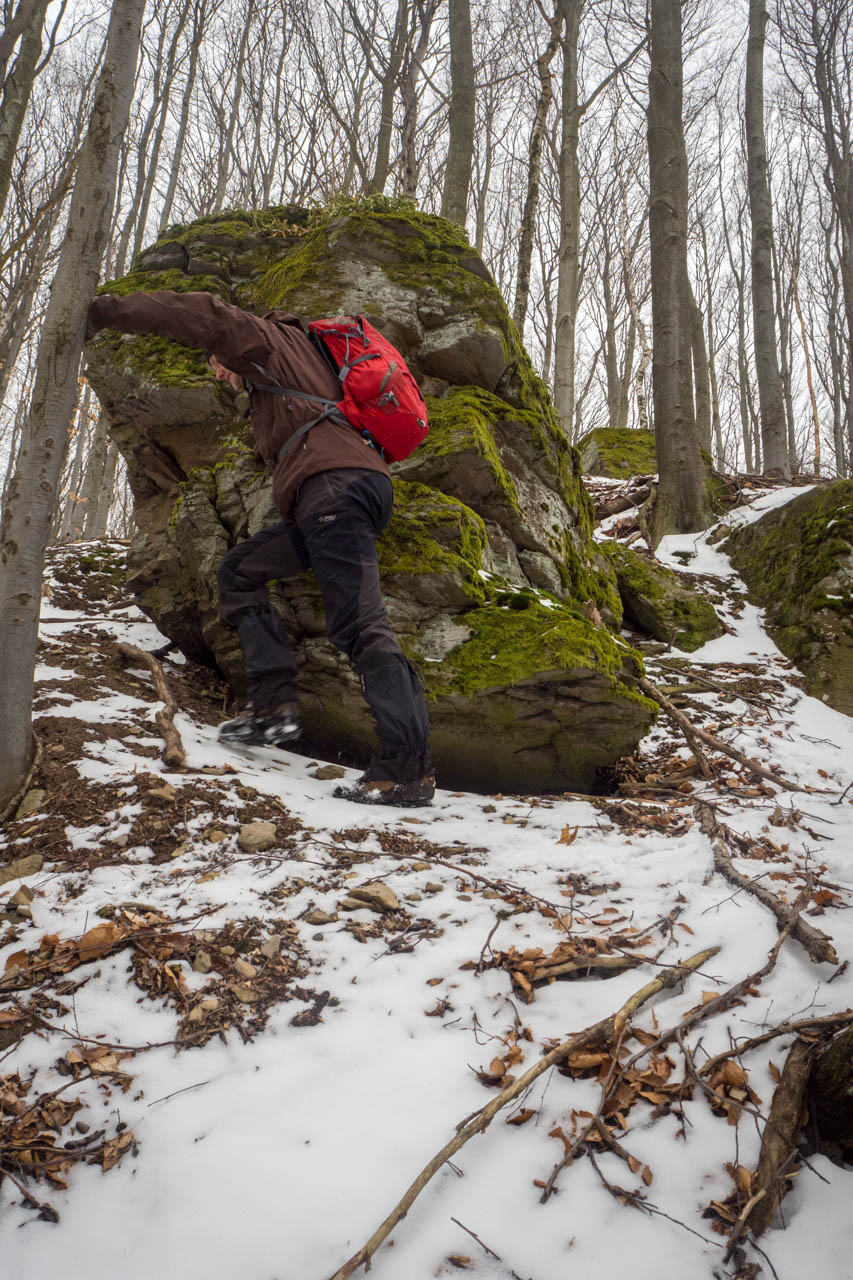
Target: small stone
(245, 969)
(490, 893)
(82, 1127)
(432, 887)
(24, 913)
(271, 947)
(490, 808)
(420, 866)
(246, 995)
(414, 897)
(228, 951)
(22, 898)
(203, 962)
(28, 866)
(378, 896)
(121, 841)
(209, 1003)
(464, 897)
(179, 851)
(353, 904)
(166, 793)
(327, 771)
(195, 1014)
(215, 835)
(319, 917)
(255, 837)
(318, 937)
(33, 802)
(208, 875)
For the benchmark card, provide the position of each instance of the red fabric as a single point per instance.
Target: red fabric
(380, 394)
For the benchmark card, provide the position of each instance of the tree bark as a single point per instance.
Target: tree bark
(390, 79)
(16, 95)
(460, 149)
(568, 254)
(534, 172)
(681, 503)
(831, 1093)
(32, 496)
(701, 374)
(774, 442)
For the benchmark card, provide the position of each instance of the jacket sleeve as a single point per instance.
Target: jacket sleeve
(239, 339)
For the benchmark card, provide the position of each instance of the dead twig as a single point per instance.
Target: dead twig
(692, 732)
(604, 1031)
(784, 1029)
(174, 754)
(778, 1147)
(817, 944)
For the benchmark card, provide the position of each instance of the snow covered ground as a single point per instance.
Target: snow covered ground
(274, 1152)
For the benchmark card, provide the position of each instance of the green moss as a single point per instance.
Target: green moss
(789, 559)
(658, 602)
(177, 281)
(430, 533)
(508, 646)
(461, 421)
(619, 452)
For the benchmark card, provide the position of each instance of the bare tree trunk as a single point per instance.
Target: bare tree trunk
(460, 149)
(390, 79)
(716, 426)
(16, 94)
(199, 24)
(227, 153)
(809, 379)
(681, 503)
(28, 513)
(701, 376)
(774, 442)
(534, 171)
(409, 92)
(569, 250)
(100, 514)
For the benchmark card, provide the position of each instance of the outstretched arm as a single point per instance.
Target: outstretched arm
(196, 319)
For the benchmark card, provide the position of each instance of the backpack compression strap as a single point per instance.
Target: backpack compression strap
(330, 407)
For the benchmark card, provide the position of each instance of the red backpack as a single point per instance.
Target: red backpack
(380, 396)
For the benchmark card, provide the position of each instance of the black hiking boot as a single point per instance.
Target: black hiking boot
(267, 727)
(415, 794)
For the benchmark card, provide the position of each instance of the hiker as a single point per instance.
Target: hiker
(334, 493)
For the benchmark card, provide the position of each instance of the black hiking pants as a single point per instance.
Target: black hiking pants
(336, 518)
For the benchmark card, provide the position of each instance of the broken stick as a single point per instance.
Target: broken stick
(692, 732)
(173, 752)
(602, 1032)
(778, 1142)
(817, 944)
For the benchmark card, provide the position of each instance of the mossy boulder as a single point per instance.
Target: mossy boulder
(490, 514)
(830, 1097)
(618, 452)
(797, 563)
(658, 602)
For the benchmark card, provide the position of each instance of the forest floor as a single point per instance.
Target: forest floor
(227, 1049)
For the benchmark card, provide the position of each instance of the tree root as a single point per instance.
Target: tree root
(603, 1032)
(817, 944)
(25, 785)
(174, 754)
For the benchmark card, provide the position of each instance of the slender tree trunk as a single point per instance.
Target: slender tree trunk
(409, 93)
(227, 154)
(716, 426)
(568, 255)
(390, 79)
(100, 515)
(774, 442)
(16, 95)
(28, 513)
(701, 375)
(460, 150)
(534, 172)
(199, 23)
(809, 379)
(681, 503)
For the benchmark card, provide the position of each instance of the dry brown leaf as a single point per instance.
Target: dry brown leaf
(97, 942)
(521, 1117)
(460, 1260)
(17, 960)
(568, 835)
(115, 1148)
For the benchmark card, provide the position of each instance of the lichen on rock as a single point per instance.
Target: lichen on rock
(489, 514)
(618, 452)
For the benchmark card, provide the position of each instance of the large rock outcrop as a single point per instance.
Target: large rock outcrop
(489, 559)
(797, 562)
(660, 603)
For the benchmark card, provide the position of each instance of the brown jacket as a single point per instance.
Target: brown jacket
(279, 343)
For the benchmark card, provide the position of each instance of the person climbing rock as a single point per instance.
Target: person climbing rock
(332, 488)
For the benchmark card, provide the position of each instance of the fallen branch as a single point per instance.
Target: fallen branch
(602, 1032)
(817, 944)
(692, 732)
(832, 1020)
(174, 753)
(778, 1147)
